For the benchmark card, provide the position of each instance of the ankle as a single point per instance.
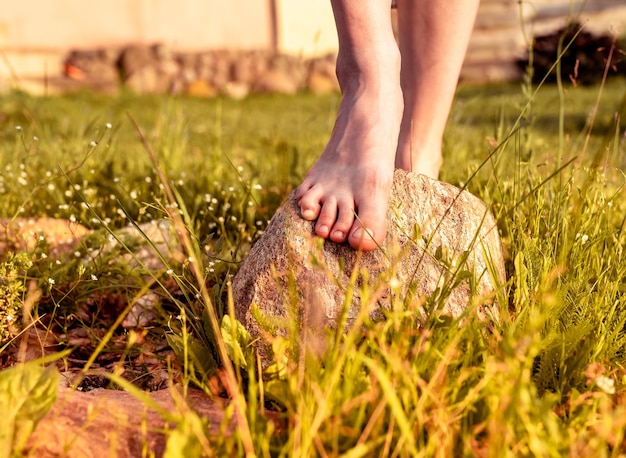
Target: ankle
(414, 156)
(380, 65)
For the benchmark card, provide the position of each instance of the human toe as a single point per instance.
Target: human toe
(309, 205)
(326, 219)
(342, 226)
(369, 229)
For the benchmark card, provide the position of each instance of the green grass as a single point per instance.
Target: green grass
(547, 379)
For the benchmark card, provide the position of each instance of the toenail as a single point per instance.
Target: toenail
(360, 233)
(308, 213)
(322, 228)
(339, 235)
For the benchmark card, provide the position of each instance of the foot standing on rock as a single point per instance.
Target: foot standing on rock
(395, 105)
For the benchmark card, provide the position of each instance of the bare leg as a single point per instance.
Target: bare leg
(433, 38)
(355, 171)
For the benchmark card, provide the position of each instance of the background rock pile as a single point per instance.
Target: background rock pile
(158, 69)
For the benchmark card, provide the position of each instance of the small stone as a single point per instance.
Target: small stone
(431, 225)
(277, 81)
(146, 80)
(321, 83)
(135, 58)
(201, 88)
(236, 90)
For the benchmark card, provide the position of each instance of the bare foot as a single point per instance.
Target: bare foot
(347, 190)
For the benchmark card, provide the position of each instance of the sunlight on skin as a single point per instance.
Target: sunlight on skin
(390, 115)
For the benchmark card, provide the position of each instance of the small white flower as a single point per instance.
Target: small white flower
(93, 143)
(35, 138)
(221, 219)
(22, 181)
(51, 281)
(606, 384)
(169, 272)
(239, 168)
(77, 254)
(394, 283)
(18, 128)
(108, 125)
(94, 278)
(10, 318)
(257, 187)
(133, 194)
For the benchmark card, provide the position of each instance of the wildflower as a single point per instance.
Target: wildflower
(35, 138)
(51, 281)
(582, 237)
(93, 143)
(606, 384)
(18, 128)
(133, 194)
(169, 272)
(108, 125)
(93, 277)
(257, 187)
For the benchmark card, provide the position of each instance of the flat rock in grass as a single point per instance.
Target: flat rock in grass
(104, 423)
(24, 234)
(442, 247)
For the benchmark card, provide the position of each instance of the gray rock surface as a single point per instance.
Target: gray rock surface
(436, 234)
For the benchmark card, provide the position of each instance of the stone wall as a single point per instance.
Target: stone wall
(159, 69)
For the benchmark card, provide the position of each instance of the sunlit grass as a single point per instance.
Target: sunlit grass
(546, 379)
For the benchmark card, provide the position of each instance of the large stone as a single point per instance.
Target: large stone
(104, 423)
(442, 247)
